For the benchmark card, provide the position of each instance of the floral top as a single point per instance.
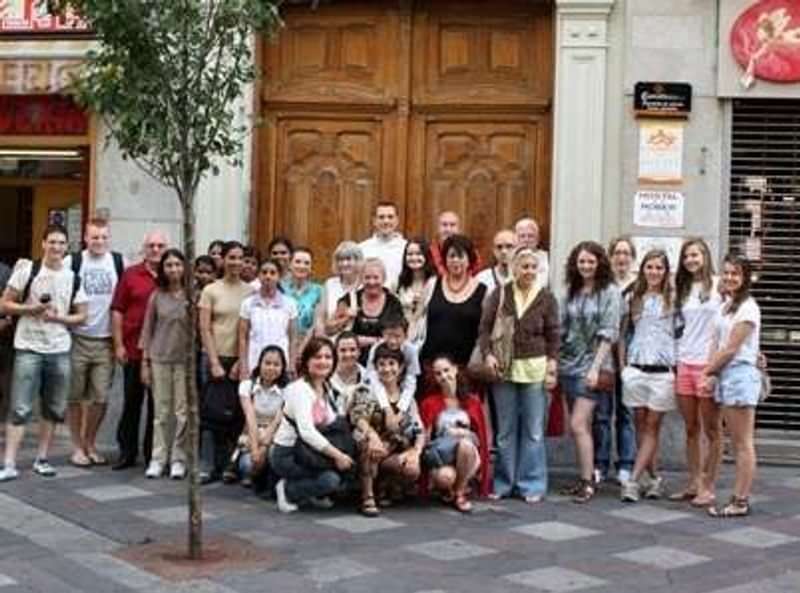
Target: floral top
(306, 300)
(586, 321)
(366, 406)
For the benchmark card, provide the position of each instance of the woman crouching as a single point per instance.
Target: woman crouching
(303, 456)
(390, 439)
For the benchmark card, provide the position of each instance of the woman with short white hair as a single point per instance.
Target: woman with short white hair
(347, 261)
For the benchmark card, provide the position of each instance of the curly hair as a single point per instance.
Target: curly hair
(602, 276)
(462, 245)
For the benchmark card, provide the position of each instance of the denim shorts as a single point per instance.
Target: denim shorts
(35, 373)
(739, 386)
(574, 387)
(441, 451)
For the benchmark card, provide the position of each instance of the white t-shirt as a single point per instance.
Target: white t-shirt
(390, 252)
(698, 317)
(98, 279)
(748, 312)
(267, 402)
(33, 333)
(488, 277)
(269, 323)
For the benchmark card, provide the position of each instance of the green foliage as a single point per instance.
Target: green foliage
(166, 75)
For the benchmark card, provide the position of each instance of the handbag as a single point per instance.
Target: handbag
(220, 405)
(501, 346)
(766, 386)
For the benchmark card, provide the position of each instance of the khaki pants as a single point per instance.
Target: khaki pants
(169, 398)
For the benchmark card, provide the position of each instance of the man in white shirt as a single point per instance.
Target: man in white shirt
(527, 231)
(504, 244)
(92, 348)
(387, 244)
(47, 298)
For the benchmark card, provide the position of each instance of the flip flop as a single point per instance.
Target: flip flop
(97, 459)
(80, 460)
(682, 496)
(703, 501)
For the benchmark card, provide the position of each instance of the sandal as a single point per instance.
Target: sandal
(703, 500)
(79, 459)
(571, 489)
(585, 493)
(97, 459)
(462, 503)
(736, 507)
(682, 496)
(369, 508)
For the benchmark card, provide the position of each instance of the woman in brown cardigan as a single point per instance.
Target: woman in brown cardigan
(520, 393)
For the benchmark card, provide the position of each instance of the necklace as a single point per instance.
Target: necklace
(460, 288)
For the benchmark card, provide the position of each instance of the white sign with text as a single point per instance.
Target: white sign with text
(658, 209)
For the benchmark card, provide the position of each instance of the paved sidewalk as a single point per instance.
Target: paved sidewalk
(62, 536)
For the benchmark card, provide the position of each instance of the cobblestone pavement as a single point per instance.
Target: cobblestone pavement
(63, 535)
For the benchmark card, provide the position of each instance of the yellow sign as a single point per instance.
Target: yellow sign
(32, 77)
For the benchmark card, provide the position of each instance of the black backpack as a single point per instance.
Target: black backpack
(36, 266)
(119, 264)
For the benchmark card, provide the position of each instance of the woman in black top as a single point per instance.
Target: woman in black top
(454, 309)
(372, 305)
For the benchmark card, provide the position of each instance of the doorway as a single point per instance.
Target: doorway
(433, 104)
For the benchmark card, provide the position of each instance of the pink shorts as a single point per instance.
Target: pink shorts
(687, 380)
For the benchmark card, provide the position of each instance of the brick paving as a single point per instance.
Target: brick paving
(68, 534)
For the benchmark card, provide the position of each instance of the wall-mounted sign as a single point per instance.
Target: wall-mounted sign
(662, 98)
(41, 115)
(658, 209)
(765, 41)
(660, 151)
(33, 17)
(36, 77)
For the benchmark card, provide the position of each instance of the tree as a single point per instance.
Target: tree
(165, 77)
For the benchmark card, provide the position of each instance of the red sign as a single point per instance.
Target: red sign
(32, 16)
(765, 41)
(41, 115)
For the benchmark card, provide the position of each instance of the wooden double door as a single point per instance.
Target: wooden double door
(436, 105)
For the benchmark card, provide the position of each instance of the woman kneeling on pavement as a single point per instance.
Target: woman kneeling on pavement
(390, 435)
(309, 422)
(648, 380)
(459, 445)
(261, 398)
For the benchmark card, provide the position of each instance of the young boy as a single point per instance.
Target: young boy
(394, 332)
(205, 272)
(250, 262)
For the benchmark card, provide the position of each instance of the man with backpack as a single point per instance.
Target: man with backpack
(48, 299)
(99, 269)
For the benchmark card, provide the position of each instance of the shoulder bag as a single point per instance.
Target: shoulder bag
(501, 346)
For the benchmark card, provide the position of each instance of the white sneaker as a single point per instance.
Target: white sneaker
(43, 468)
(8, 473)
(154, 470)
(284, 506)
(177, 470)
(654, 488)
(630, 491)
(623, 475)
(599, 476)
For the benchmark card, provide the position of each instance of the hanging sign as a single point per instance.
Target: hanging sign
(34, 17)
(658, 209)
(661, 151)
(765, 41)
(662, 98)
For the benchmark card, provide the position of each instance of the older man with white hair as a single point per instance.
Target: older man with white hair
(127, 318)
(527, 231)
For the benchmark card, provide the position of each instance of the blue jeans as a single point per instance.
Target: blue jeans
(36, 373)
(302, 483)
(609, 408)
(521, 463)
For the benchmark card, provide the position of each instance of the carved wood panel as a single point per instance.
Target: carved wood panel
(489, 172)
(327, 175)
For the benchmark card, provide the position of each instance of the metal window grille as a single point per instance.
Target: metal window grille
(765, 227)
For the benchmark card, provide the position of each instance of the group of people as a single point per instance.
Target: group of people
(412, 369)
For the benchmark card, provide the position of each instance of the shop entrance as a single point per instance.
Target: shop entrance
(764, 223)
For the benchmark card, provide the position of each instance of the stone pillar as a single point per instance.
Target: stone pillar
(579, 130)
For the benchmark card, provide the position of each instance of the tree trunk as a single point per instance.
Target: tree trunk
(192, 408)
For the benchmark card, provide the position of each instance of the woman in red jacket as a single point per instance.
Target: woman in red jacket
(459, 448)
